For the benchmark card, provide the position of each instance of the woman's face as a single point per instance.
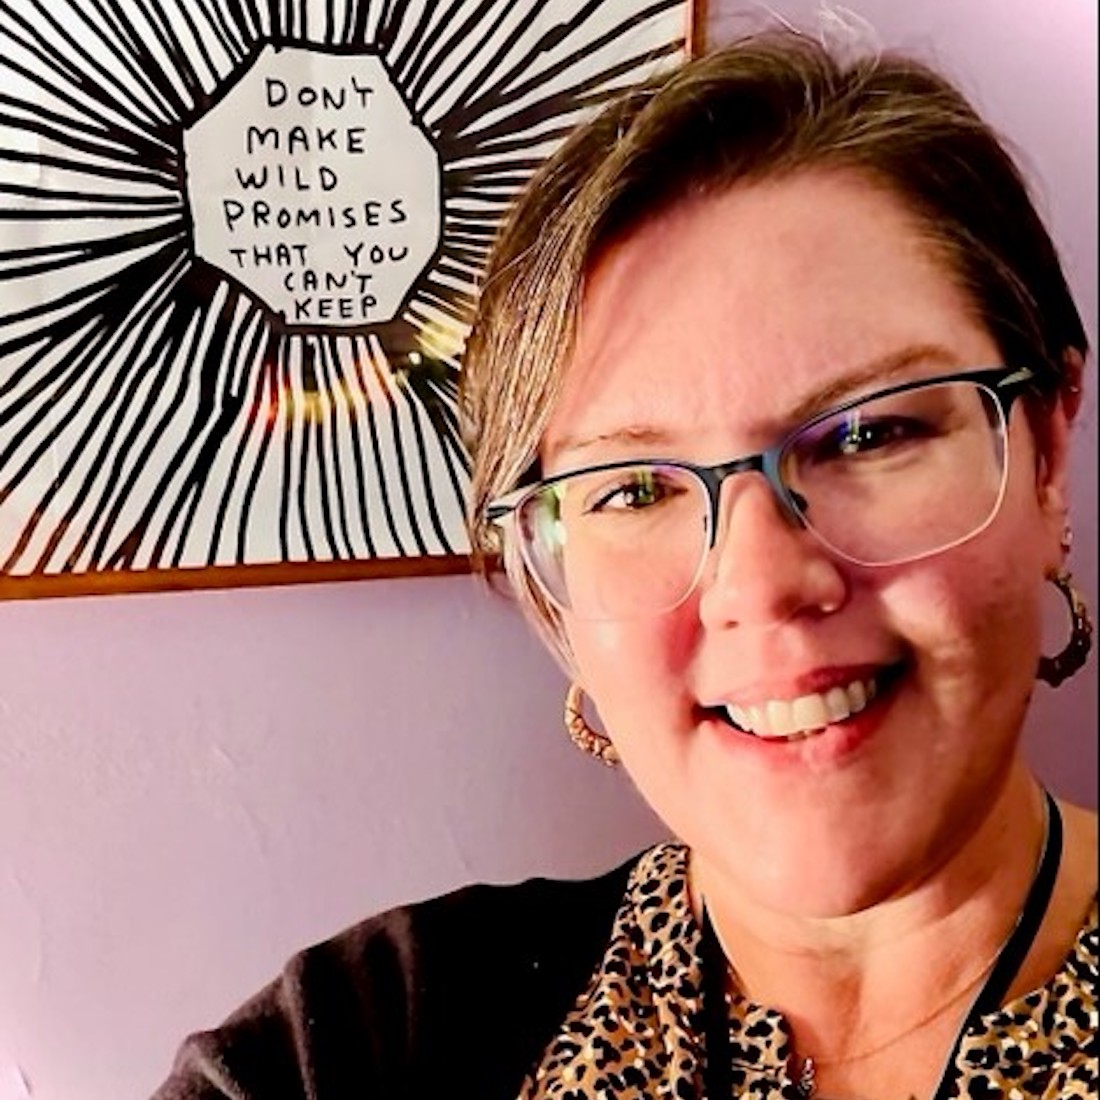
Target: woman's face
(707, 335)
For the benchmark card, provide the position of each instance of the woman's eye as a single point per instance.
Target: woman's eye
(634, 493)
(857, 437)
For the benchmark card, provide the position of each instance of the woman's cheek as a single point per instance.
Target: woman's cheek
(637, 671)
(970, 625)
(645, 648)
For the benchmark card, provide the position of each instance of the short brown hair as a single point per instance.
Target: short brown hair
(766, 105)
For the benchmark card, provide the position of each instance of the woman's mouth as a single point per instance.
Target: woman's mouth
(805, 715)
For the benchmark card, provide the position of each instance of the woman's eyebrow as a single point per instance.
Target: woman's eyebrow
(882, 370)
(628, 436)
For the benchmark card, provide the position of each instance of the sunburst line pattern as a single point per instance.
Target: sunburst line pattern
(162, 407)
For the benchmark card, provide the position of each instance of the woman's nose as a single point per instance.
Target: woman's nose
(764, 567)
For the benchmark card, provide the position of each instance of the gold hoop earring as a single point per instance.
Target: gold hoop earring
(582, 734)
(1059, 668)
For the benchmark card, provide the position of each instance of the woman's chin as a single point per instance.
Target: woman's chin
(812, 879)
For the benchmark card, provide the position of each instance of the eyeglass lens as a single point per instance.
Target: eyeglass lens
(887, 480)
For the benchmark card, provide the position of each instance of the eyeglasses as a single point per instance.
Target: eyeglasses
(884, 479)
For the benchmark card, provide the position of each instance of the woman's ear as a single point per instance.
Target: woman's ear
(1053, 465)
(1073, 368)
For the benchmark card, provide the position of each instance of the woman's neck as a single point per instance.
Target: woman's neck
(878, 999)
(847, 981)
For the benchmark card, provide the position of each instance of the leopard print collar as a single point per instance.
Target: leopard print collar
(635, 1032)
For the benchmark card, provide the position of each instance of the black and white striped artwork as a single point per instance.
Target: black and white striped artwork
(240, 241)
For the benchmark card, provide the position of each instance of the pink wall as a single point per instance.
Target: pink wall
(194, 785)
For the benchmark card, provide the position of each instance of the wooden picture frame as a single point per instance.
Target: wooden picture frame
(238, 258)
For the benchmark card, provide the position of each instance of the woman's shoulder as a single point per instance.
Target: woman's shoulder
(401, 996)
(487, 909)
(1081, 844)
(1075, 899)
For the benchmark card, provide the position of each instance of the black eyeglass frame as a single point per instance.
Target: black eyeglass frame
(1004, 383)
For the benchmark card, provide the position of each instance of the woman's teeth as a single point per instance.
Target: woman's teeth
(804, 715)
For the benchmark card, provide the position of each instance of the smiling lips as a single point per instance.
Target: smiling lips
(808, 714)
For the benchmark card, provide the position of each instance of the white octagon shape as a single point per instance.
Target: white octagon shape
(311, 184)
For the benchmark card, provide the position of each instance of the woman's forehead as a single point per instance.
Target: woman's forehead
(763, 297)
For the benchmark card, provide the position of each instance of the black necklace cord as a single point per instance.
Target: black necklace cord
(718, 1068)
(718, 1072)
(1016, 948)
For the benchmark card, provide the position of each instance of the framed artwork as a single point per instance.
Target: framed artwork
(240, 241)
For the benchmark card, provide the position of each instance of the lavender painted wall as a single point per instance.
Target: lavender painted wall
(194, 785)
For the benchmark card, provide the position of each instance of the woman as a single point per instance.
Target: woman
(769, 399)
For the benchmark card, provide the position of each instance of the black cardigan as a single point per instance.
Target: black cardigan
(453, 997)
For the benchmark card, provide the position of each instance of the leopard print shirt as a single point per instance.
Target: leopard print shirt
(635, 1032)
